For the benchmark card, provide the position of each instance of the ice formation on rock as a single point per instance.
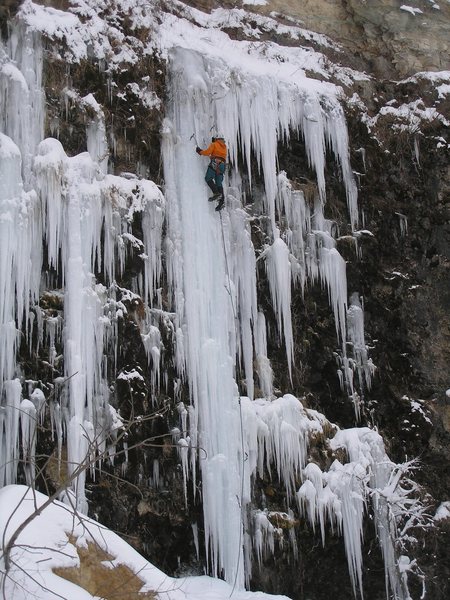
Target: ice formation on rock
(83, 216)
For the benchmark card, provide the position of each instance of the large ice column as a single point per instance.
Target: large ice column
(21, 128)
(355, 327)
(278, 268)
(87, 218)
(198, 274)
(97, 144)
(253, 111)
(22, 101)
(20, 266)
(241, 271)
(21, 124)
(263, 366)
(11, 197)
(71, 199)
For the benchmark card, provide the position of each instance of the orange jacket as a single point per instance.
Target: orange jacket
(217, 149)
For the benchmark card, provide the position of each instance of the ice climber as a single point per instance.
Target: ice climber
(217, 150)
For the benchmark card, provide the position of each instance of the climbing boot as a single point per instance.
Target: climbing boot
(213, 187)
(221, 204)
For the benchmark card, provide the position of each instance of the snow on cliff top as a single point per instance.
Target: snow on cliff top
(89, 30)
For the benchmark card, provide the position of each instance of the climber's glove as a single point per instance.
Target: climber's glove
(198, 150)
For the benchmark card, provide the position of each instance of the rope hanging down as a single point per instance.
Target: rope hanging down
(227, 269)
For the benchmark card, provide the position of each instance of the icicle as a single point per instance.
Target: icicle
(97, 144)
(279, 274)
(195, 535)
(369, 472)
(196, 274)
(264, 535)
(333, 274)
(22, 102)
(355, 328)
(28, 430)
(417, 150)
(153, 345)
(57, 426)
(292, 203)
(183, 449)
(156, 480)
(242, 264)
(307, 497)
(49, 172)
(38, 399)
(9, 432)
(263, 366)
(338, 137)
(53, 330)
(152, 226)
(403, 224)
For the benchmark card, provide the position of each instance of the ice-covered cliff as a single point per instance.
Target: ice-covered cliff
(91, 246)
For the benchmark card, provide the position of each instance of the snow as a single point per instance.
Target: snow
(44, 545)
(433, 76)
(408, 117)
(443, 90)
(443, 512)
(130, 375)
(411, 10)
(254, 2)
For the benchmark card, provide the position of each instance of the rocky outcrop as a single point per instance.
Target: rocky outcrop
(393, 39)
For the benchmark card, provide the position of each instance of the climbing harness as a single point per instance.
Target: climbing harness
(215, 164)
(240, 500)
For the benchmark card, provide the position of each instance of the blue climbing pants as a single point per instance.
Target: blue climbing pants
(214, 175)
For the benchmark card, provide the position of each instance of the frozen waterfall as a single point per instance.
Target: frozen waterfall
(205, 312)
(71, 208)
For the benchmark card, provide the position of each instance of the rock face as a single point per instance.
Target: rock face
(391, 38)
(403, 273)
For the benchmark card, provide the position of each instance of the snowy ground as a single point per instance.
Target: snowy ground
(44, 545)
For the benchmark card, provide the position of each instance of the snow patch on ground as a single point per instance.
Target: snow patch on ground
(44, 545)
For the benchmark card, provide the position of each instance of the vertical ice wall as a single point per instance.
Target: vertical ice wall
(206, 322)
(21, 129)
(86, 227)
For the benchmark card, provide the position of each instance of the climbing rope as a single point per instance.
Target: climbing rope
(240, 417)
(227, 269)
